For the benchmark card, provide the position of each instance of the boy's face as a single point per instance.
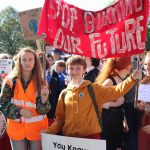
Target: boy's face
(76, 71)
(59, 69)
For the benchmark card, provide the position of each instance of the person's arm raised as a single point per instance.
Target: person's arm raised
(110, 93)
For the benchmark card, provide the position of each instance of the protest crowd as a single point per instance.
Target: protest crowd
(100, 94)
(124, 121)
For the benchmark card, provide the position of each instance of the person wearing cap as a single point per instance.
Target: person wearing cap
(56, 53)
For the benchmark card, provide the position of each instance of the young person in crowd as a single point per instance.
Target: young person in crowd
(57, 56)
(144, 132)
(75, 113)
(60, 68)
(56, 53)
(49, 71)
(92, 70)
(114, 72)
(24, 101)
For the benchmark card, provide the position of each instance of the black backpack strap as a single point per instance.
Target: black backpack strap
(13, 86)
(64, 92)
(113, 80)
(92, 95)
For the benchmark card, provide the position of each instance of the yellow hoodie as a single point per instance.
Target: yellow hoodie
(76, 116)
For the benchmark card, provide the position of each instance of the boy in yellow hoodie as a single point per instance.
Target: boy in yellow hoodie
(75, 113)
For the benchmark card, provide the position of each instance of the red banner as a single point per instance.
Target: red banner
(116, 31)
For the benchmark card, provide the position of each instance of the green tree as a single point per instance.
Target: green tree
(11, 37)
(148, 38)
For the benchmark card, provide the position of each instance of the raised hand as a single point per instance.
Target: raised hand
(26, 113)
(44, 93)
(137, 74)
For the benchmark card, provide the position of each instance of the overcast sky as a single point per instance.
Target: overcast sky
(93, 5)
(21, 5)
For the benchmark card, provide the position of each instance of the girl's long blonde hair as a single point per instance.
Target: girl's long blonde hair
(36, 72)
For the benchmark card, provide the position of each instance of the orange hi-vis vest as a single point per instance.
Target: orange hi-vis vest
(19, 129)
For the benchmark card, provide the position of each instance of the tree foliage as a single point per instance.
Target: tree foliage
(11, 37)
(148, 38)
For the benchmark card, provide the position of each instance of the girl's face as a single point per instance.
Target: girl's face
(76, 71)
(27, 61)
(147, 65)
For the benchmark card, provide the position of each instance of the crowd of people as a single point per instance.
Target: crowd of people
(62, 104)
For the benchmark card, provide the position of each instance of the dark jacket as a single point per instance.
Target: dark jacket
(91, 75)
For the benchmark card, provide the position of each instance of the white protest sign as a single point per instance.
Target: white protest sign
(144, 92)
(5, 67)
(55, 142)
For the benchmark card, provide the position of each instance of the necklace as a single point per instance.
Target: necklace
(122, 79)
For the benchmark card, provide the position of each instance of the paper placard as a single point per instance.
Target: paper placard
(55, 142)
(5, 67)
(144, 92)
(29, 23)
